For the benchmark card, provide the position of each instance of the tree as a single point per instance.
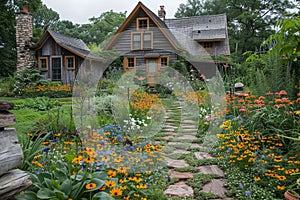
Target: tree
(7, 39)
(249, 22)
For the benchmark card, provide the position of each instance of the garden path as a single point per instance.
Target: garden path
(193, 171)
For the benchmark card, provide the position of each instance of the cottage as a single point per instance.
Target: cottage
(147, 42)
(59, 57)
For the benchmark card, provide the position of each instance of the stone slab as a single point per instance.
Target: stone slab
(5, 105)
(179, 189)
(171, 163)
(211, 169)
(7, 119)
(215, 186)
(180, 175)
(182, 151)
(187, 137)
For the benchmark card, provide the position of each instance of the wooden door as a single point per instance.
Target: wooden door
(152, 70)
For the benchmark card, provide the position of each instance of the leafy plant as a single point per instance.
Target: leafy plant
(39, 104)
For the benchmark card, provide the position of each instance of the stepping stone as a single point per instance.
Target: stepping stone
(182, 151)
(179, 189)
(195, 145)
(202, 155)
(215, 186)
(187, 137)
(189, 121)
(168, 137)
(176, 143)
(211, 169)
(171, 163)
(181, 175)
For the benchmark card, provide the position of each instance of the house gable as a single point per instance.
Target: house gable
(162, 38)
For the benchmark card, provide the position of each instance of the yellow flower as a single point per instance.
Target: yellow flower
(90, 186)
(116, 192)
(110, 184)
(89, 160)
(257, 178)
(121, 180)
(280, 187)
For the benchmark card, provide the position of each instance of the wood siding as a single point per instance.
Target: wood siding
(51, 50)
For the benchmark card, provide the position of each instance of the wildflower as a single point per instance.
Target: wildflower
(257, 178)
(123, 187)
(248, 193)
(110, 184)
(280, 187)
(116, 192)
(89, 160)
(90, 186)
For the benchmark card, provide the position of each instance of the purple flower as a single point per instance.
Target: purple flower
(241, 186)
(46, 149)
(169, 179)
(248, 193)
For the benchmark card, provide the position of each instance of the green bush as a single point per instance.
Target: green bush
(38, 104)
(6, 87)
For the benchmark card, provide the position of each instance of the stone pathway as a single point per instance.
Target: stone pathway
(179, 138)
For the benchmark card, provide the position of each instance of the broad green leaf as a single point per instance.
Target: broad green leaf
(45, 193)
(66, 187)
(102, 196)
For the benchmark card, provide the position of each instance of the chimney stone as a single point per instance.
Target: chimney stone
(25, 56)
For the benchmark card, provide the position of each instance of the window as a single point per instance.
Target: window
(141, 40)
(43, 63)
(152, 65)
(207, 44)
(56, 68)
(164, 61)
(129, 63)
(136, 41)
(142, 23)
(70, 62)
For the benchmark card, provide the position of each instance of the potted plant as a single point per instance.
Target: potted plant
(293, 192)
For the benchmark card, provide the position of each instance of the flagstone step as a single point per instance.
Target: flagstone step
(172, 163)
(180, 189)
(216, 187)
(182, 151)
(180, 175)
(211, 169)
(187, 137)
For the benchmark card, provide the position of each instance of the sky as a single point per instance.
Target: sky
(79, 11)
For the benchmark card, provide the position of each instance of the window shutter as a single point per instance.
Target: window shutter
(125, 64)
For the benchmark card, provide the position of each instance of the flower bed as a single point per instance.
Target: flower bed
(256, 140)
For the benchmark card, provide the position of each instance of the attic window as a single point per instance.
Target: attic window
(207, 44)
(142, 23)
(43, 63)
(70, 62)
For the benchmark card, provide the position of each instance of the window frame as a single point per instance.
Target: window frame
(66, 62)
(125, 63)
(167, 57)
(138, 23)
(207, 45)
(156, 68)
(142, 40)
(40, 64)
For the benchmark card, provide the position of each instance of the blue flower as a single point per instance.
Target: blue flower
(46, 149)
(241, 186)
(169, 179)
(248, 193)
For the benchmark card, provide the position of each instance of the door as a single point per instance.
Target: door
(56, 69)
(152, 70)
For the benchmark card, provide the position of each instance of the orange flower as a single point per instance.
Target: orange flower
(116, 192)
(90, 186)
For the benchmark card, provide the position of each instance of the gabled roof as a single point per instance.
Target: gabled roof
(202, 28)
(74, 45)
(159, 23)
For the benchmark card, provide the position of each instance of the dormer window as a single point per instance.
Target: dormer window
(142, 23)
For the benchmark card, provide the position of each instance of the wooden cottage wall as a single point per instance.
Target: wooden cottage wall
(161, 45)
(52, 49)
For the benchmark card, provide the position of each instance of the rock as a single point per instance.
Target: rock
(171, 163)
(195, 145)
(181, 175)
(215, 186)
(202, 155)
(176, 143)
(4, 105)
(182, 151)
(168, 137)
(211, 169)
(187, 137)
(7, 119)
(179, 189)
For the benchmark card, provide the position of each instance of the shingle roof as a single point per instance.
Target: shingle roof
(201, 29)
(74, 45)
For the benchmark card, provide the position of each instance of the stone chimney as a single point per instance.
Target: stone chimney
(162, 13)
(25, 56)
